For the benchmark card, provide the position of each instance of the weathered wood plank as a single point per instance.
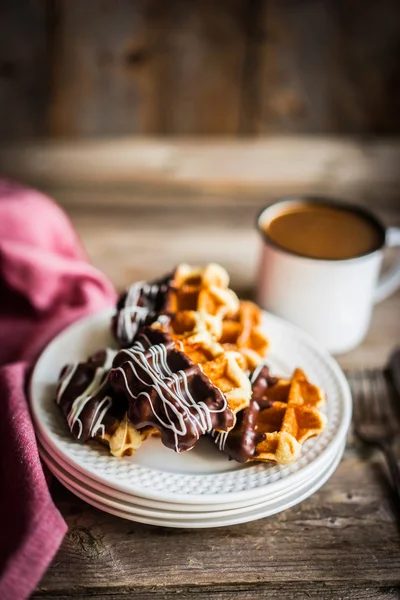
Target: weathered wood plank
(329, 67)
(100, 82)
(252, 81)
(198, 65)
(23, 68)
(295, 67)
(343, 535)
(316, 591)
(207, 165)
(144, 67)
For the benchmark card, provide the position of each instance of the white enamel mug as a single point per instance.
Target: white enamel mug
(331, 299)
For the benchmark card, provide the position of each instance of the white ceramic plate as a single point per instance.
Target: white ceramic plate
(164, 510)
(78, 486)
(252, 514)
(95, 487)
(204, 475)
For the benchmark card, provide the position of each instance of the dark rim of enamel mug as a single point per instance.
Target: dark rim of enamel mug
(332, 202)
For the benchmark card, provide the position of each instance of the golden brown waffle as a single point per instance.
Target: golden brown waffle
(196, 333)
(190, 324)
(125, 440)
(242, 332)
(201, 350)
(226, 370)
(293, 418)
(208, 276)
(202, 289)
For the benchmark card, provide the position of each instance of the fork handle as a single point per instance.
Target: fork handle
(394, 468)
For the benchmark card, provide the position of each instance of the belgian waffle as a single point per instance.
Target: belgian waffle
(84, 395)
(281, 416)
(126, 439)
(193, 335)
(202, 289)
(166, 390)
(242, 332)
(140, 305)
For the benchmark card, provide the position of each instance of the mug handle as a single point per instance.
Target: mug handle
(389, 281)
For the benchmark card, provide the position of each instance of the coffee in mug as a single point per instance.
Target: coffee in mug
(322, 231)
(320, 265)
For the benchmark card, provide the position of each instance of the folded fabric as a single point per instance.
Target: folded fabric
(46, 283)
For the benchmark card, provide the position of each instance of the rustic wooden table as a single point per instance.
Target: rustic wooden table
(141, 208)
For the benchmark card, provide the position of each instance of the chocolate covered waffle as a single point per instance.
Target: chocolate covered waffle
(191, 325)
(239, 331)
(204, 290)
(86, 399)
(282, 414)
(187, 347)
(140, 305)
(167, 390)
(191, 334)
(93, 409)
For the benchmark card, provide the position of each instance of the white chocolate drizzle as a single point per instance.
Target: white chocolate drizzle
(220, 438)
(131, 316)
(166, 383)
(163, 320)
(256, 372)
(65, 379)
(94, 387)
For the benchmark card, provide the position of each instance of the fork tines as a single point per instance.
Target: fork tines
(374, 417)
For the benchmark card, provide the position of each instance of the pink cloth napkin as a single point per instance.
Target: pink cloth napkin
(45, 284)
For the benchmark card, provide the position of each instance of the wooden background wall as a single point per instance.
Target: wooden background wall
(161, 67)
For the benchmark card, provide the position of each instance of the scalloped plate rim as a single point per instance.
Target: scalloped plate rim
(257, 513)
(62, 475)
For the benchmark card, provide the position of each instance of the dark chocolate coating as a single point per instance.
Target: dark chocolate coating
(156, 303)
(148, 337)
(242, 441)
(175, 407)
(82, 377)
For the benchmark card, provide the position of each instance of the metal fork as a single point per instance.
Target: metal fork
(375, 421)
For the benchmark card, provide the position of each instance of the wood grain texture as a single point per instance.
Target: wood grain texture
(316, 591)
(198, 67)
(147, 67)
(325, 66)
(23, 68)
(227, 67)
(100, 81)
(342, 538)
(208, 165)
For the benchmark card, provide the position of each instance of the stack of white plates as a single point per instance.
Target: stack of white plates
(200, 488)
